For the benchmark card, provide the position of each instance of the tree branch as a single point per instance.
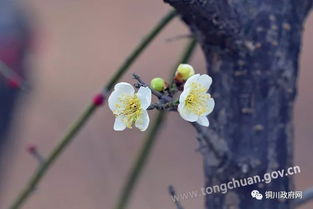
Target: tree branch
(158, 94)
(85, 116)
(144, 152)
(210, 144)
(170, 106)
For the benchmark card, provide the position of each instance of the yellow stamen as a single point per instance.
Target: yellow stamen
(129, 108)
(196, 101)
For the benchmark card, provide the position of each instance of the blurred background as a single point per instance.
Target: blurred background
(77, 46)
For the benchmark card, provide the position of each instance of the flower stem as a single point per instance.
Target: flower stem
(43, 168)
(81, 121)
(148, 143)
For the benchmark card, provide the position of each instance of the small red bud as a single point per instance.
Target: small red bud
(98, 99)
(14, 83)
(33, 151)
(32, 148)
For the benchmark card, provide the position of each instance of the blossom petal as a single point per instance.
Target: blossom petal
(183, 95)
(191, 80)
(142, 122)
(210, 106)
(124, 87)
(144, 94)
(203, 121)
(185, 114)
(113, 100)
(119, 124)
(205, 81)
(120, 89)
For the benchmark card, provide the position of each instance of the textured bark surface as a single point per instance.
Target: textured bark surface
(252, 50)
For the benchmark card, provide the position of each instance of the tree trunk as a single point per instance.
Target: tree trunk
(252, 51)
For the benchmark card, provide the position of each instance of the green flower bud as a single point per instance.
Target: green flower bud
(158, 84)
(183, 72)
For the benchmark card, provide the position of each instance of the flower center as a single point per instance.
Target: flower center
(196, 101)
(130, 110)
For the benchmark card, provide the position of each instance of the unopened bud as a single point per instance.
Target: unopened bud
(14, 83)
(183, 72)
(158, 84)
(31, 148)
(98, 99)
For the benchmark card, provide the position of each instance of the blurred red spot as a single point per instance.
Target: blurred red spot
(98, 100)
(31, 148)
(14, 82)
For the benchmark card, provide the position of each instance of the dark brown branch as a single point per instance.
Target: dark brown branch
(209, 144)
(170, 106)
(154, 92)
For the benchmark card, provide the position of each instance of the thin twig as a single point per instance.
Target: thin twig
(172, 192)
(43, 168)
(203, 135)
(83, 118)
(12, 77)
(33, 150)
(142, 83)
(158, 94)
(208, 142)
(170, 106)
(144, 152)
(146, 41)
(139, 162)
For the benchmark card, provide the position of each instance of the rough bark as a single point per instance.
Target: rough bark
(252, 50)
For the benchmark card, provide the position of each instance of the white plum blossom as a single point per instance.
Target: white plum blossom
(129, 107)
(194, 102)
